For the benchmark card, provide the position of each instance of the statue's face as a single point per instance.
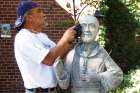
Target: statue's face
(90, 26)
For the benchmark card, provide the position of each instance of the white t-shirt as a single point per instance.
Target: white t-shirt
(30, 50)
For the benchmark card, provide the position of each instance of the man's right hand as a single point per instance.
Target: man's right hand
(69, 35)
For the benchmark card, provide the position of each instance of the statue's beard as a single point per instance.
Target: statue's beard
(88, 38)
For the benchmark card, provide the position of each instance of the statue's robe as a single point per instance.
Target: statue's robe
(101, 73)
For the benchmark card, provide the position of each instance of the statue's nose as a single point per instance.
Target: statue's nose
(87, 28)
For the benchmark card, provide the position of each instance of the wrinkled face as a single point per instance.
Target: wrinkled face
(37, 18)
(90, 26)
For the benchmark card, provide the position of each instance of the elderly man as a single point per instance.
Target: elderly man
(35, 53)
(88, 67)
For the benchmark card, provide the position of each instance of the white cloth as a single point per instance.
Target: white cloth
(30, 50)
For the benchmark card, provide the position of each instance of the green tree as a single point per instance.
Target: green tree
(120, 29)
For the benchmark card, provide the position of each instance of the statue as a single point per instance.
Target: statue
(88, 68)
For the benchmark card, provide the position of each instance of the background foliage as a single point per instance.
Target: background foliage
(121, 24)
(122, 21)
(131, 82)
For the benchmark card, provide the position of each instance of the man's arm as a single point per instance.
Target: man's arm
(62, 47)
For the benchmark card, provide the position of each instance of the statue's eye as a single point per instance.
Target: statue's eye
(83, 25)
(93, 25)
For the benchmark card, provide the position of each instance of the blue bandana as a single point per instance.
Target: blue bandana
(23, 8)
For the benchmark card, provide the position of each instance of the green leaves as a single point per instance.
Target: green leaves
(131, 82)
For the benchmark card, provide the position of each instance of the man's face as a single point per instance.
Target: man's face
(38, 18)
(90, 26)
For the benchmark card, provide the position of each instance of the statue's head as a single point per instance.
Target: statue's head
(90, 28)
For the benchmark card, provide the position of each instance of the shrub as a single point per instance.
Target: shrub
(131, 82)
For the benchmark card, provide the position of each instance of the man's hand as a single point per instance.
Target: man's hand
(69, 35)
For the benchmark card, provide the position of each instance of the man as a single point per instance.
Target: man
(88, 67)
(35, 52)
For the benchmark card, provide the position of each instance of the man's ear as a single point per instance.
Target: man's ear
(29, 18)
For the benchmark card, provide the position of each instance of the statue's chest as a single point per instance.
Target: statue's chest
(89, 65)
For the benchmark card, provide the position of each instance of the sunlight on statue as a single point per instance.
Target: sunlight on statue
(88, 66)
